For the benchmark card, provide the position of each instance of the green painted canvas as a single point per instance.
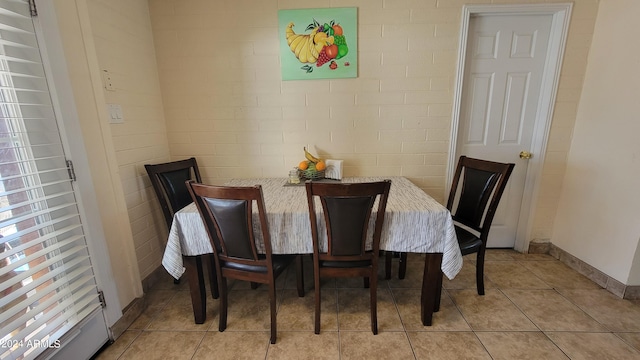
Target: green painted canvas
(318, 43)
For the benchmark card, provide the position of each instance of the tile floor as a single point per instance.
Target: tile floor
(535, 307)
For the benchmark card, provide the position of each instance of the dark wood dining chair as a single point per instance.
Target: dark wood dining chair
(474, 198)
(228, 216)
(347, 210)
(168, 180)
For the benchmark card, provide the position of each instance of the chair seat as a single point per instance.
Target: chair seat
(280, 262)
(469, 243)
(345, 264)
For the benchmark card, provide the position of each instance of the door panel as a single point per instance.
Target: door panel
(503, 74)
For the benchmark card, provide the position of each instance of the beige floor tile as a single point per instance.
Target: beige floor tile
(156, 301)
(578, 345)
(297, 313)
(249, 310)
(116, 349)
(616, 314)
(520, 345)
(305, 345)
(180, 318)
(559, 275)
(151, 345)
(448, 318)
(633, 339)
(577, 316)
(466, 278)
(364, 345)
(551, 311)
(144, 319)
(512, 275)
(490, 312)
(447, 346)
(159, 297)
(233, 345)
(183, 298)
(354, 312)
(166, 283)
(502, 255)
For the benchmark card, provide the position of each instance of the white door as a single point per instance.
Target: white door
(504, 67)
(50, 303)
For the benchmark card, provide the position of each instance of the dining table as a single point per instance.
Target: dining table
(414, 223)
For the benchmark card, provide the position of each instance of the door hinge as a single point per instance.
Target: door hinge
(71, 170)
(32, 8)
(103, 302)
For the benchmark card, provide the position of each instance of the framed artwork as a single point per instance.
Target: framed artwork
(318, 43)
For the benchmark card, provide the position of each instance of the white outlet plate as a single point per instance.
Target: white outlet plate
(107, 81)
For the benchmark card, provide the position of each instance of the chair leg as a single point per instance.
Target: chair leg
(272, 305)
(317, 300)
(374, 304)
(480, 272)
(388, 256)
(213, 277)
(299, 276)
(402, 268)
(222, 324)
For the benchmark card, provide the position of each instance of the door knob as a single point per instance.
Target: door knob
(525, 155)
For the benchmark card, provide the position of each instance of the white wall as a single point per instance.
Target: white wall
(84, 75)
(598, 217)
(124, 46)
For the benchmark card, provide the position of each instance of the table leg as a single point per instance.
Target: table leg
(195, 277)
(429, 299)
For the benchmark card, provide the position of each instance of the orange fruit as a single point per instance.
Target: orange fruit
(337, 29)
(321, 166)
(303, 165)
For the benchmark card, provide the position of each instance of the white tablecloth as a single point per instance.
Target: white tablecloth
(414, 222)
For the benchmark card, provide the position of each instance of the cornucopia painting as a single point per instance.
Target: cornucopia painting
(318, 43)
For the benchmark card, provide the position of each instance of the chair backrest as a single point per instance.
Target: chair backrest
(228, 216)
(168, 180)
(476, 191)
(347, 212)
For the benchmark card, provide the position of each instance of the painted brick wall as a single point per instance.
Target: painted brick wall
(124, 46)
(202, 78)
(225, 103)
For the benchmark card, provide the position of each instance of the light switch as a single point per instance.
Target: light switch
(115, 114)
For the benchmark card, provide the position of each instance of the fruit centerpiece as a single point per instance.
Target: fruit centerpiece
(312, 168)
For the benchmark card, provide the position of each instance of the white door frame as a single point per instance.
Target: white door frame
(550, 79)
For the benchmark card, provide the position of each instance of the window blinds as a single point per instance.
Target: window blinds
(47, 284)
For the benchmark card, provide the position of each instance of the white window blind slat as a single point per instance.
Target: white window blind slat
(40, 255)
(74, 254)
(56, 297)
(47, 284)
(31, 202)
